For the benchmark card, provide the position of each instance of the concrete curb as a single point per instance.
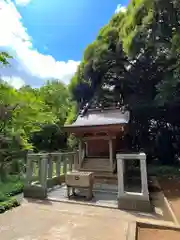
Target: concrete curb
(167, 203)
(80, 203)
(159, 225)
(171, 211)
(132, 231)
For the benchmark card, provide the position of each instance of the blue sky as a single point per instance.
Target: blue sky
(47, 38)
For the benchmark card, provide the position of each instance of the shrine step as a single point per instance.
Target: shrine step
(106, 177)
(102, 176)
(96, 164)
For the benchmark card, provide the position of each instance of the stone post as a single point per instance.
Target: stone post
(111, 154)
(39, 168)
(120, 175)
(144, 182)
(70, 157)
(64, 164)
(44, 165)
(29, 170)
(50, 165)
(80, 152)
(76, 161)
(58, 166)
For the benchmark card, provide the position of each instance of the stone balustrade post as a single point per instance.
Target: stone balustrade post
(29, 170)
(144, 181)
(120, 173)
(76, 161)
(58, 166)
(64, 158)
(39, 168)
(70, 162)
(80, 152)
(44, 166)
(111, 153)
(50, 166)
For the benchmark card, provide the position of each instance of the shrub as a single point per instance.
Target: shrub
(163, 170)
(11, 189)
(9, 204)
(17, 188)
(3, 197)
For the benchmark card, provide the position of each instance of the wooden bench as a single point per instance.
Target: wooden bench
(78, 179)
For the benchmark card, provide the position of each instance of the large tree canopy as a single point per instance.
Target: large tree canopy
(137, 52)
(135, 61)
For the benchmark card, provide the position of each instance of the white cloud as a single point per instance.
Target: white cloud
(27, 63)
(22, 2)
(120, 8)
(16, 82)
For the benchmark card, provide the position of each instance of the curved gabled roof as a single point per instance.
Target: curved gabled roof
(101, 117)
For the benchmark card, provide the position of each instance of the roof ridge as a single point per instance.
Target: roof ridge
(87, 107)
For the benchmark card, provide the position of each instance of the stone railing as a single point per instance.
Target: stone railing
(45, 170)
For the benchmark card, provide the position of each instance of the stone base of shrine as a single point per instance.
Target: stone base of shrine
(133, 204)
(35, 191)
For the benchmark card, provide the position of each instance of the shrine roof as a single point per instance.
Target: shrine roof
(97, 117)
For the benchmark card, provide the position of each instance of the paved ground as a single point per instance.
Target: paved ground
(46, 220)
(50, 221)
(159, 234)
(105, 195)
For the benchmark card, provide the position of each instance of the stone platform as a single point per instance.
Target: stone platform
(105, 195)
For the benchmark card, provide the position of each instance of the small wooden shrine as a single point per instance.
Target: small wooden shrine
(100, 133)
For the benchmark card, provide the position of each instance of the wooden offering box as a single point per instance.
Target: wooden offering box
(78, 179)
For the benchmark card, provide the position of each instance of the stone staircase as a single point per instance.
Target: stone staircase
(96, 165)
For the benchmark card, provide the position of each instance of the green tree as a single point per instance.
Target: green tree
(57, 99)
(4, 57)
(21, 113)
(135, 60)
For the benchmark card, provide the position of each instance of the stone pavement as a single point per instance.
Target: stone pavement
(43, 220)
(104, 195)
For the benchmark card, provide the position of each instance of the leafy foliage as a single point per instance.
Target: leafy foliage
(8, 204)
(9, 189)
(50, 138)
(31, 118)
(4, 57)
(135, 61)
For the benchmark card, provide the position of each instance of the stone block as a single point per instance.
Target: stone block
(140, 205)
(35, 191)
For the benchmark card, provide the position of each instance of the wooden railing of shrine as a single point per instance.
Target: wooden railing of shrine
(45, 170)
